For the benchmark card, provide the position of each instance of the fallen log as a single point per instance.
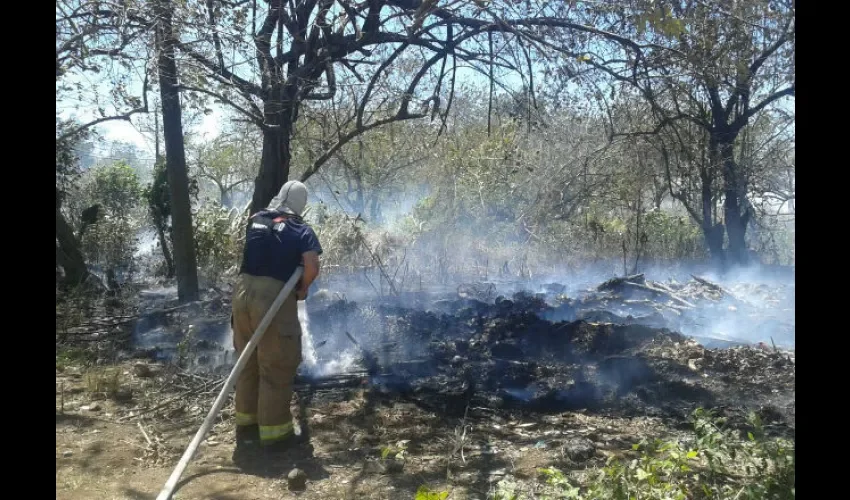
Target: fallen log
(662, 286)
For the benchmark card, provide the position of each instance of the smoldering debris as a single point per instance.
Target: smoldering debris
(615, 348)
(629, 345)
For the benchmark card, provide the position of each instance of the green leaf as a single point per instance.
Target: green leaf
(425, 493)
(692, 454)
(750, 435)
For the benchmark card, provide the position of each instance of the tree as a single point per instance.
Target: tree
(342, 54)
(185, 264)
(112, 192)
(96, 42)
(100, 42)
(711, 65)
(228, 160)
(159, 208)
(69, 256)
(373, 169)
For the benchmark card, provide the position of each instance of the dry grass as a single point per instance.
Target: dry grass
(103, 382)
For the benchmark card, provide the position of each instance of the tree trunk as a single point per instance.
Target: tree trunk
(159, 223)
(734, 206)
(274, 165)
(713, 233)
(175, 159)
(166, 253)
(68, 254)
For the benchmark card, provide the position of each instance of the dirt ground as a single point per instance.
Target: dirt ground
(124, 447)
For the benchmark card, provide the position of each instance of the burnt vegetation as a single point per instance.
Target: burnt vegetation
(558, 240)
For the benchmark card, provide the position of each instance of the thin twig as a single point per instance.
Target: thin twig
(180, 396)
(145, 434)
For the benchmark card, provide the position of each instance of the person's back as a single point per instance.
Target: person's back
(274, 244)
(277, 242)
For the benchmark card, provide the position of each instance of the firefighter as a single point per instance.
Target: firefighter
(277, 241)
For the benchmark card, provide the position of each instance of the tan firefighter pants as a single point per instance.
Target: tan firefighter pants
(264, 389)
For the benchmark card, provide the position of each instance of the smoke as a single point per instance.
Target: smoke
(147, 243)
(340, 361)
(484, 254)
(312, 366)
(757, 305)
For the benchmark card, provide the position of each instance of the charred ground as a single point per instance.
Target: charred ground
(481, 386)
(548, 353)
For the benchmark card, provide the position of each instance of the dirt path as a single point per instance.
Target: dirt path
(103, 454)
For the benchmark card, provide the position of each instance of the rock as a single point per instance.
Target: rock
(296, 479)
(579, 449)
(67, 453)
(142, 370)
(91, 407)
(123, 395)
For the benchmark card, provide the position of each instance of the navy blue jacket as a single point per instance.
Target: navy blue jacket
(274, 245)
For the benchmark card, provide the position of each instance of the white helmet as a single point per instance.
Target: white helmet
(291, 199)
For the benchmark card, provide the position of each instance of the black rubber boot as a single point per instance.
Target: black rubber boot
(248, 435)
(247, 444)
(294, 440)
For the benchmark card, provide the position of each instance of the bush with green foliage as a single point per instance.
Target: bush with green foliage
(111, 241)
(717, 463)
(218, 240)
(672, 237)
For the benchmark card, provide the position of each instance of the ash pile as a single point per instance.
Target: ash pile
(617, 348)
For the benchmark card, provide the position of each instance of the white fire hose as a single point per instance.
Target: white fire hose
(168, 489)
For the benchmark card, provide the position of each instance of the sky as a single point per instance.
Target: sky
(128, 132)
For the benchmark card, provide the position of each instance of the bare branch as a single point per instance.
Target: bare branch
(346, 138)
(123, 116)
(255, 118)
(786, 92)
